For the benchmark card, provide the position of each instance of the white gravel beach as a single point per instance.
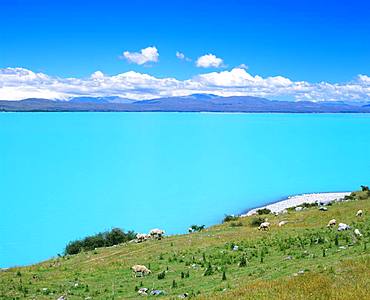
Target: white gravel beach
(298, 200)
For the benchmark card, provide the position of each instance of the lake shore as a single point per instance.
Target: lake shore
(297, 200)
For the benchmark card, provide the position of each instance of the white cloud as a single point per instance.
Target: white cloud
(19, 83)
(364, 78)
(209, 61)
(97, 75)
(182, 56)
(149, 54)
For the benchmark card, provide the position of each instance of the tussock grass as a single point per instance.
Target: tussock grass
(301, 260)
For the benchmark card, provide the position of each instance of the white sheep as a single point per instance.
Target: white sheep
(143, 291)
(157, 233)
(282, 223)
(140, 269)
(359, 213)
(358, 233)
(264, 226)
(141, 237)
(332, 222)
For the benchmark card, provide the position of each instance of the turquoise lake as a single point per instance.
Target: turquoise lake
(67, 175)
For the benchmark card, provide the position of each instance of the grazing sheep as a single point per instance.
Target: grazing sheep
(343, 226)
(264, 226)
(140, 269)
(282, 223)
(358, 233)
(298, 208)
(143, 291)
(323, 208)
(141, 237)
(359, 213)
(332, 222)
(157, 233)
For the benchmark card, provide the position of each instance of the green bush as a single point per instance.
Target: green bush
(223, 276)
(229, 218)
(174, 284)
(197, 228)
(308, 205)
(364, 188)
(73, 247)
(243, 262)
(209, 271)
(103, 239)
(162, 275)
(257, 221)
(263, 211)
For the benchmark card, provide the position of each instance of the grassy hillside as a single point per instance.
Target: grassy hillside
(301, 260)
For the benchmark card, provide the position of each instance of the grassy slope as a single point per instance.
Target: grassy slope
(105, 273)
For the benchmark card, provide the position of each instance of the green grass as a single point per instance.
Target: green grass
(274, 259)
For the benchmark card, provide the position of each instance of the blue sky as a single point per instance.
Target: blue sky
(309, 41)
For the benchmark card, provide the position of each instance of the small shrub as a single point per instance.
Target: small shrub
(209, 271)
(262, 256)
(229, 218)
(308, 205)
(243, 262)
(257, 221)
(263, 211)
(162, 275)
(364, 188)
(223, 276)
(103, 239)
(174, 284)
(196, 228)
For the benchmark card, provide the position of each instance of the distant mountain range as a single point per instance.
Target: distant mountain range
(192, 103)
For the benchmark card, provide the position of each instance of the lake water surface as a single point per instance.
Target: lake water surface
(67, 175)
